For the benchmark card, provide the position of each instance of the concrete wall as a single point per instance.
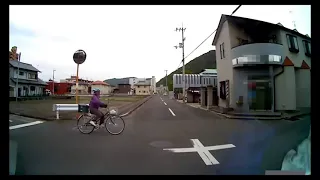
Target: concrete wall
(303, 88)
(224, 66)
(286, 89)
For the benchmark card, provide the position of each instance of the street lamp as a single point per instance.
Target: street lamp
(53, 81)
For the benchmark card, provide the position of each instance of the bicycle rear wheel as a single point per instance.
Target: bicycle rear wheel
(114, 124)
(83, 124)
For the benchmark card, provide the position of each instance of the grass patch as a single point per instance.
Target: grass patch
(43, 108)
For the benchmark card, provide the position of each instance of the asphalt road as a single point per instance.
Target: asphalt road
(58, 148)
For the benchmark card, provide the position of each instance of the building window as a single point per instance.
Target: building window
(139, 87)
(223, 90)
(32, 76)
(307, 48)
(32, 88)
(21, 73)
(222, 55)
(176, 79)
(209, 80)
(292, 43)
(192, 79)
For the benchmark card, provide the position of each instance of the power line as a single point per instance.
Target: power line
(207, 37)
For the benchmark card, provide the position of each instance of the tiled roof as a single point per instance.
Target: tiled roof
(99, 83)
(143, 83)
(24, 81)
(22, 65)
(251, 21)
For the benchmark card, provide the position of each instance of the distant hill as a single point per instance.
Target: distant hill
(195, 66)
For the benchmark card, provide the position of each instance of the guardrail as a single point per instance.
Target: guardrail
(67, 107)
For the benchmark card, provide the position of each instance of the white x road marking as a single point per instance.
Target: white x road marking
(203, 151)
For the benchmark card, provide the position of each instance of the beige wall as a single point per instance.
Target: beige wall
(142, 90)
(103, 88)
(303, 88)
(224, 66)
(83, 89)
(285, 89)
(293, 87)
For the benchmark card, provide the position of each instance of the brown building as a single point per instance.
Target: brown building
(124, 88)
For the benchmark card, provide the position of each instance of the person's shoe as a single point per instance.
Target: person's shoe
(93, 123)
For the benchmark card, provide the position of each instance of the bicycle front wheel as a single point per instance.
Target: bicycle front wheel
(83, 124)
(114, 124)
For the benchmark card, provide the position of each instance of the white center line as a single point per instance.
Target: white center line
(25, 125)
(164, 103)
(171, 112)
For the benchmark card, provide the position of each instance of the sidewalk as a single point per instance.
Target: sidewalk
(251, 116)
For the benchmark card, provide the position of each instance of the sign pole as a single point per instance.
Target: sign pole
(77, 83)
(79, 57)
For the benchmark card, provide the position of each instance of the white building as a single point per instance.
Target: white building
(151, 81)
(27, 79)
(105, 88)
(262, 66)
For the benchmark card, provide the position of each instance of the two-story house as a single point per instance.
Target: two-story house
(262, 66)
(142, 88)
(28, 82)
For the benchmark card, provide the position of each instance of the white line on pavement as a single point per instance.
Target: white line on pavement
(203, 151)
(206, 156)
(10, 120)
(164, 103)
(171, 112)
(25, 125)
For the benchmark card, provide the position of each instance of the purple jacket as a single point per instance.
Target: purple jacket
(95, 102)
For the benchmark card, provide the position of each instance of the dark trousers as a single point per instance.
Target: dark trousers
(98, 114)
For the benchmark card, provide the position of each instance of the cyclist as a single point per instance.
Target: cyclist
(94, 106)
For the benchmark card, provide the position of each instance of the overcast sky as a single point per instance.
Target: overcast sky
(123, 41)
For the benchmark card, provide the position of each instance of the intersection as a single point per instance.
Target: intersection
(149, 144)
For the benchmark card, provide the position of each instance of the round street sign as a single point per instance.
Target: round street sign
(79, 56)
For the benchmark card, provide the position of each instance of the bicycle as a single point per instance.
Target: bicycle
(111, 119)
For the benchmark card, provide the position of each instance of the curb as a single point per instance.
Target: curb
(52, 119)
(136, 107)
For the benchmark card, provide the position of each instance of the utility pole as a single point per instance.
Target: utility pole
(18, 74)
(181, 45)
(53, 82)
(166, 80)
